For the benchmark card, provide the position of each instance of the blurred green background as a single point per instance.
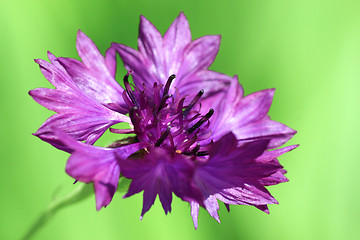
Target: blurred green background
(308, 50)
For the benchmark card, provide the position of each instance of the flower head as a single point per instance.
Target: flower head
(194, 133)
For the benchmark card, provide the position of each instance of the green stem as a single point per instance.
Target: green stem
(81, 192)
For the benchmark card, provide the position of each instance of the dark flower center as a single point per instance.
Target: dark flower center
(161, 119)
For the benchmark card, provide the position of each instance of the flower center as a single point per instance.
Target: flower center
(160, 119)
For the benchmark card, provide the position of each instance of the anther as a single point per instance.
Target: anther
(128, 88)
(134, 116)
(193, 102)
(163, 100)
(201, 121)
(167, 85)
(163, 137)
(202, 153)
(194, 150)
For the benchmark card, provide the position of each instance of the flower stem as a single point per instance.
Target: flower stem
(79, 193)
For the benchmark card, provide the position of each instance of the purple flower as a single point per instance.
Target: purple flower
(195, 134)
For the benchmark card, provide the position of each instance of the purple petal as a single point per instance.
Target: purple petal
(214, 84)
(89, 54)
(247, 117)
(265, 129)
(82, 128)
(149, 197)
(199, 55)
(95, 75)
(94, 164)
(165, 196)
(212, 206)
(95, 61)
(225, 108)
(274, 179)
(54, 62)
(151, 47)
(56, 76)
(104, 192)
(271, 155)
(233, 175)
(98, 86)
(253, 107)
(195, 213)
(134, 60)
(263, 208)
(110, 61)
(79, 116)
(250, 193)
(158, 173)
(176, 38)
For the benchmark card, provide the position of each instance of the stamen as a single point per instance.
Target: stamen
(163, 100)
(135, 118)
(202, 153)
(163, 137)
(128, 88)
(168, 83)
(180, 105)
(121, 131)
(188, 143)
(193, 102)
(201, 121)
(194, 150)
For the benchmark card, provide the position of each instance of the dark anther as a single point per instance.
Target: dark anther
(193, 102)
(194, 150)
(128, 88)
(163, 100)
(135, 117)
(167, 85)
(202, 153)
(201, 121)
(162, 137)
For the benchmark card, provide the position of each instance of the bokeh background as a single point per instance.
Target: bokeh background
(308, 50)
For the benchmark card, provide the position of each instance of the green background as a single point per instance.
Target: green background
(308, 50)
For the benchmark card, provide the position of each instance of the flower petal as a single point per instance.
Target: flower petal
(151, 48)
(250, 193)
(199, 55)
(158, 173)
(56, 76)
(176, 38)
(269, 156)
(95, 164)
(133, 60)
(110, 61)
(81, 127)
(214, 84)
(102, 88)
(278, 133)
(212, 206)
(78, 115)
(232, 174)
(195, 213)
(89, 54)
(253, 107)
(247, 117)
